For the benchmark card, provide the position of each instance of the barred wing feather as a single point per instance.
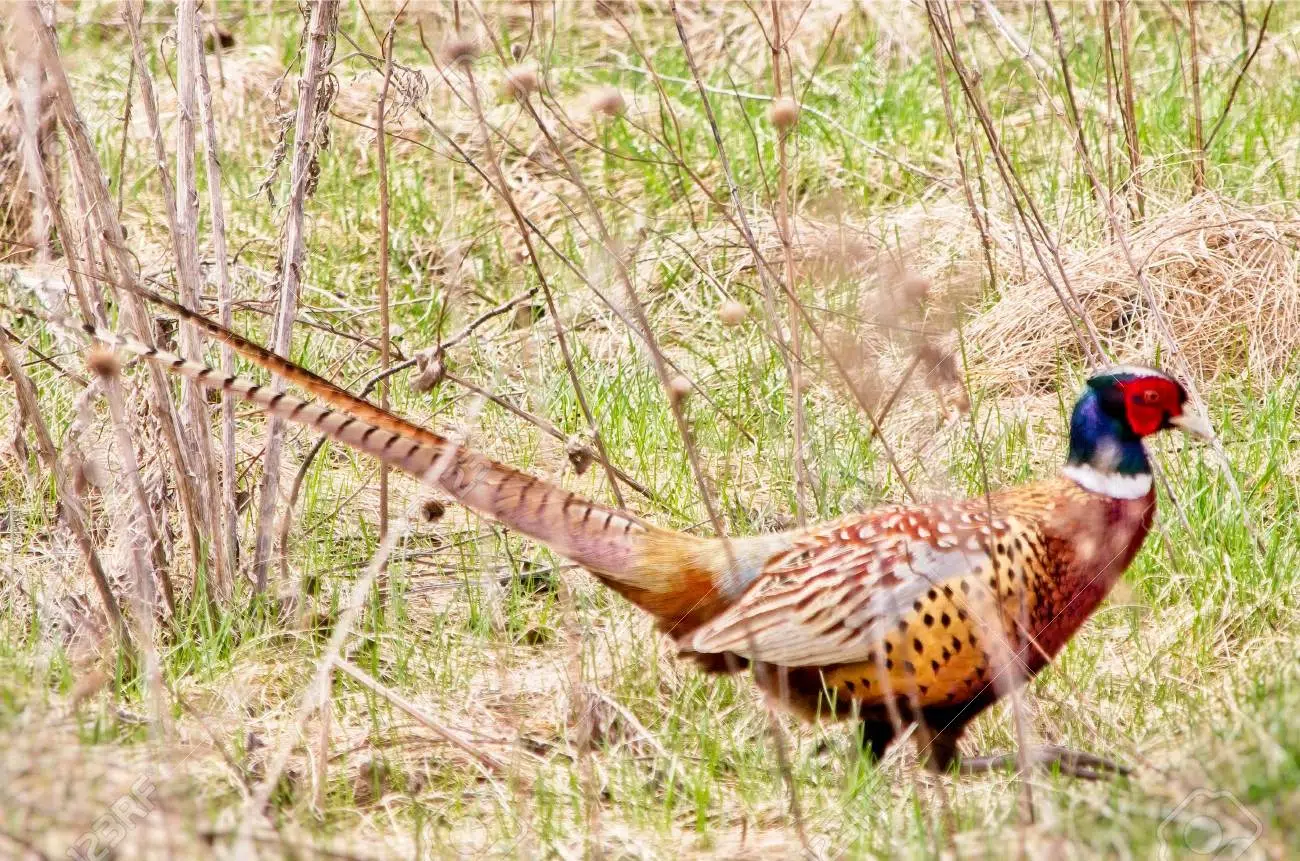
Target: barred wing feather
(834, 602)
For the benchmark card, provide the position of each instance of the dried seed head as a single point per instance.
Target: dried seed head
(679, 387)
(431, 510)
(522, 80)
(732, 312)
(459, 51)
(223, 39)
(914, 289)
(92, 473)
(608, 101)
(783, 113)
(580, 454)
(525, 315)
(432, 370)
(103, 361)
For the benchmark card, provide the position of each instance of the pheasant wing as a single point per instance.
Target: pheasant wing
(834, 597)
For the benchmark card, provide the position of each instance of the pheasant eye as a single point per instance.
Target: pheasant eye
(1151, 396)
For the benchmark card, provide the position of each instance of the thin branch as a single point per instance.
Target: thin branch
(487, 761)
(189, 281)
(318, 688)
(385, 322)
(764, 271)
(1128, 108)
(561, 341)
(225, 311)
(1241, 74)
(72, 509)
(829, 119)
(642, 321)
(1025, 50)
(144, 511)
(102, 221)
(1027, 210)
(320, 47)
(986, 241)
(578, 272)
(554, 432)
(802, 483)
(1198, 132)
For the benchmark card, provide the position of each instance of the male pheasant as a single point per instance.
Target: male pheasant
(904, 614)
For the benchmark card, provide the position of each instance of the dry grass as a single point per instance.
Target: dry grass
(1224, 277)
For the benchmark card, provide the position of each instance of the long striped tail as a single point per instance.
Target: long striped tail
(680, 579)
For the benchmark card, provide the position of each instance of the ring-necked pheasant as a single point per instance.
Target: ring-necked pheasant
(904, 614)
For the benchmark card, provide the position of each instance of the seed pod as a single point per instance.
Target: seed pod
(679, 387)
(732, 313)
(783, 113)
(608, 101)
(433, 369)
(103, 361)
(580, 454)
(522, 80)
(459, 51)
(431, 510)
(913, 289)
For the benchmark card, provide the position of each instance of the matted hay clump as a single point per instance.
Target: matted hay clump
(1224, 278)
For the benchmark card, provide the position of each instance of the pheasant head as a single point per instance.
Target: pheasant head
(1119, 408)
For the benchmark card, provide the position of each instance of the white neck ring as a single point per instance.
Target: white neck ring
(1112, 484)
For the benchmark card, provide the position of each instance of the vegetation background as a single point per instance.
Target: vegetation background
(857, 252)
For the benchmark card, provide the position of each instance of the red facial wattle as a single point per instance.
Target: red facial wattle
(1148, 402)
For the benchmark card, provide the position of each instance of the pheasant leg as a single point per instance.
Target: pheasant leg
(876, 737)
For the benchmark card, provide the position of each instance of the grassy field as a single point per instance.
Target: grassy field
(950, 329)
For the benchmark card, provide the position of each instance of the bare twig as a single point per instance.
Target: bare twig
(1241, 73)
(986, 241)
(126, 134)
(385, 324)
(766, 278)
(185, 241)
(319, 687)
(72, 510)
(131, 469)
(320, 48)
(1128, 108)
(765, 273)
(552, 431)
(784, 129)
(487, 761)
(1071, 100)
(1027, 210)
(811, 110)
(286, 522)
(578, 271)
(103, 221)
(42, 186)
(642, 322)
(106, 367)
(225, 302)
(1024, 49)
(503, 188)
(1198, 132)
(317, 690)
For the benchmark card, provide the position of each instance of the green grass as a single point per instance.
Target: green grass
(1188, 673)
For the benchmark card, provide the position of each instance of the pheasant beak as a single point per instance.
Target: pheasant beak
(1193, 424)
